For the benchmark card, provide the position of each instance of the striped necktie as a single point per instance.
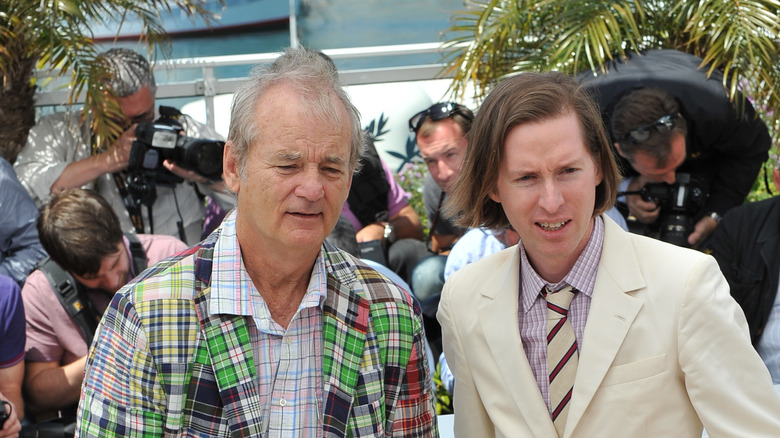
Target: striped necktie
(562, 355)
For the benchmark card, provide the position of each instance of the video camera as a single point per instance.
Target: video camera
(680, 204)
(162, 139)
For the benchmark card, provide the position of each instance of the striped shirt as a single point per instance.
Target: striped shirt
(288, 362)
(532, 314)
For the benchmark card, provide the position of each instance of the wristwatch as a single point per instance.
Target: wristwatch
(389, 233)
(715, 216)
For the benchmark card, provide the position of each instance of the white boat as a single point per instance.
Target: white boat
(233, 15)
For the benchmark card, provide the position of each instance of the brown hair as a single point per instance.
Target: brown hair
(78, 228)
(640, 108)
(527, 97)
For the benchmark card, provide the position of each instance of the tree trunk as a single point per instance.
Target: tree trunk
(17, 110)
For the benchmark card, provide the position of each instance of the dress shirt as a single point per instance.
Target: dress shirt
(533, 306)
(288, 361)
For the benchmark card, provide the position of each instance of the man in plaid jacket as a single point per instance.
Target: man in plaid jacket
(263, 329)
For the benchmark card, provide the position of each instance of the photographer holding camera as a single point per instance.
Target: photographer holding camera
(59, 154)
(669, 118)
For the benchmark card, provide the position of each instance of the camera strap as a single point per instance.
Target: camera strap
(71, 295)
(133, 208)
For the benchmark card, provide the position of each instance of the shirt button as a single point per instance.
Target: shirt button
(282, 402)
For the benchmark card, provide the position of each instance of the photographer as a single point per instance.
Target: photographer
(668, 117)
(59, 154)
(94, 260)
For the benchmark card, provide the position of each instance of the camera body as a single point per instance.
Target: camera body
(5, 412)
(680, 203)
(156, 142)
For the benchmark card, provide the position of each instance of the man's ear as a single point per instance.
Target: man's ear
(494, 196)
(230, 172)
(619, 151)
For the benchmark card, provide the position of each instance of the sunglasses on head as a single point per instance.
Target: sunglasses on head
(642, 133)
(436, 112)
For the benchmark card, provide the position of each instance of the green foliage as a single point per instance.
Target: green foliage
(56, 36)
(411, 177)
(443, 397)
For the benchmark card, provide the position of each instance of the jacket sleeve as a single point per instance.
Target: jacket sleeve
(52, 144)
(726, 380)
(122, 393)
(20, 248)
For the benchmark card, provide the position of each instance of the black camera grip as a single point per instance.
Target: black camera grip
(5, 412)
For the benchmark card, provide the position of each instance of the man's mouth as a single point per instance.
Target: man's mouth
(552, 226)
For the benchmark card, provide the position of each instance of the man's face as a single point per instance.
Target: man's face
(113, 272)
(647, 166)
(547, 187)
(297, 175)
(443, 152)
(138, 107)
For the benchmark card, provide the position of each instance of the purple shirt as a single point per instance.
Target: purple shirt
(52, 336)
(533, 306)
(11, 323)
(397, 199)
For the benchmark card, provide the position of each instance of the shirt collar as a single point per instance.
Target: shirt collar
(581, 277)
(231, 286)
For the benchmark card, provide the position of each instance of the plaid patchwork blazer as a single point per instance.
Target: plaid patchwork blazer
(161, 365)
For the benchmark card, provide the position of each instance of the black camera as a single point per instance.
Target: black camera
(5, 412)
(156, 142)
(680, 204)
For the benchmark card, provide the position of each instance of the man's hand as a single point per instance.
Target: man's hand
(118, 154)
(374, 231)
(188, 175)
(12, 426)
(702, 230)
(645, 212)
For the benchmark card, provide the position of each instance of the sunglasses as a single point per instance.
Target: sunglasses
(642, 133)
(436, 112)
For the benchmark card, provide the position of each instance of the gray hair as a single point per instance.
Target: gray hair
(128, 71)
(315, 76)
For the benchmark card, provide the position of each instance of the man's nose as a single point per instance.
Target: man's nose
(551, 198)
(445, 171)
(669, 177)
(310, 186)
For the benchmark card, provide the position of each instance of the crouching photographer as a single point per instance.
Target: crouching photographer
(669, 114)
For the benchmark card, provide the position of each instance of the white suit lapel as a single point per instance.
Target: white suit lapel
(498, 315)
(612, 311)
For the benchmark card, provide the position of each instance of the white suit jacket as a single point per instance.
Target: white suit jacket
(665, 350)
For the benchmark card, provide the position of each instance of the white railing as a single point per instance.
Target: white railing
(207, 85)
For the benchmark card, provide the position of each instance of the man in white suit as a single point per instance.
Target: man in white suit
(661, 347)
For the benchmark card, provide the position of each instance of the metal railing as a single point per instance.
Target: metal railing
(208, 85)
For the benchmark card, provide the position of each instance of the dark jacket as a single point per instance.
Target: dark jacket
(747, 248)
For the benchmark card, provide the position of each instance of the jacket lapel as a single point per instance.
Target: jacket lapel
(612, 311)
(344, 326)
(498, 313)
(227, 340)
